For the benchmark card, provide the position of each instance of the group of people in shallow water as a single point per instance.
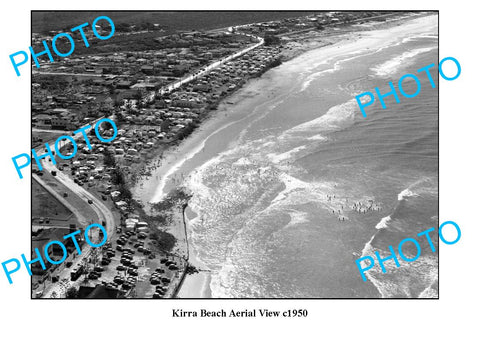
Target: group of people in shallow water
(360, 207)
(363, 208)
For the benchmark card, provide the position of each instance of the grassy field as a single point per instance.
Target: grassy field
(45, 136)
(45, 205)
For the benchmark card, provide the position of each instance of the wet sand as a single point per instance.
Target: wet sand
(195, 285)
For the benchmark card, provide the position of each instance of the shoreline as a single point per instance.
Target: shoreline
(173, 164)
(196, 285)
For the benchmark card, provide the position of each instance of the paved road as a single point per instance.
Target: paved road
(72, 74)
(52, 131)
(212, 66)
(36, 227)
(170, 87)
(103, 214)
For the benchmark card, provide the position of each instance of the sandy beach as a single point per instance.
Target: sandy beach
(211, 138)
(170, 169)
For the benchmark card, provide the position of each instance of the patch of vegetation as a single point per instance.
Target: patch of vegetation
(271, 40)
(72, 293)
(162, 240)
(45, 21)
(191, 269)
(175, 197)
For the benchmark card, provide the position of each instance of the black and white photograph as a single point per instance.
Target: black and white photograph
(226, 155)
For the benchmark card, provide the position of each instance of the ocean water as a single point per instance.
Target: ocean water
(305, 185)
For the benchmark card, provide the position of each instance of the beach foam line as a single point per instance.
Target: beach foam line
(296, 217)
(420, 187)
(368, 251)
(391, 66)
(348, 56)
(318, 137)
(406, 193)
(383, 224)
(159, 193)
(333, 119)
(368, 42)
(277, 158)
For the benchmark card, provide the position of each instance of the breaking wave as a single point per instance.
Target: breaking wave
(391, 66)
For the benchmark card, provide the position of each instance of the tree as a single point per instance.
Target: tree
(125, 193)
(108, 158)
(138, 95)
(117, 103)
(271, 40)
(72, 293)
(275, 63)
(120, 118)
(165, 125)
(118, 178)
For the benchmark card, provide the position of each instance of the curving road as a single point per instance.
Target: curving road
(103, 214)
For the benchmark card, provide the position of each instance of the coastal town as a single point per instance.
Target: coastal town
(159, 85)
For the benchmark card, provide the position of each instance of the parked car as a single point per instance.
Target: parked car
(132, 271)
(125, 262)
(93, 275)
(118, 280)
